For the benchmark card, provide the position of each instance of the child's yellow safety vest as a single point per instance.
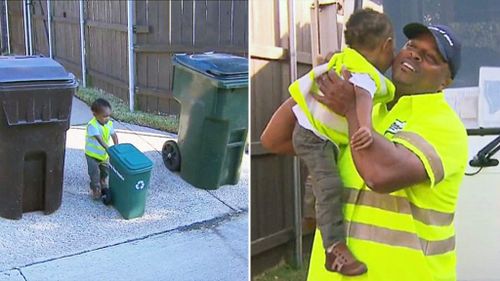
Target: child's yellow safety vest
(92, 147)
(324, 121)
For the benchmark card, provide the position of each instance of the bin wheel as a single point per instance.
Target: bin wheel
(106, 196)
(171, 156)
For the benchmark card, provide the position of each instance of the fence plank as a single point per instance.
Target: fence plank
(278, 53)
(153, 92)
(276, 239)
(39, 28)
(102, 77)
(207, 26)
(142, 102)
(225, 23)
(166, 48)
(152, 70)
(163, 16)
(73, 21)
(16, 27)
(240, 33)
(303, 26)
(152, 104)
(141, 19)
(164, 71)
(187, 23)
(116, 26)
(176, 22)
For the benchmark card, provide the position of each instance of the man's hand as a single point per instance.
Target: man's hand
(362, 138)
(338, 94)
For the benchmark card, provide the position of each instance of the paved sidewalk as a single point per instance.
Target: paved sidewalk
(86, 232)
(207, 252)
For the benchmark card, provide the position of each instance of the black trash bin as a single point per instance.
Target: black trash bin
(35, 107)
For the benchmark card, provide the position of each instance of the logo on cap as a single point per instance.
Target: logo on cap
(445, 35)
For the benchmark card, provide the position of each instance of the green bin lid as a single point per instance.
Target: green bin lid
(31, 68)
(229, 70)
(130, 157)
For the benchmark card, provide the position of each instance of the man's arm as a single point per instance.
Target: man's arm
(277, 136)
(384, 165)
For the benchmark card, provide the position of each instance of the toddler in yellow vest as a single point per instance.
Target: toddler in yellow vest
(97, 140)
(320, 133)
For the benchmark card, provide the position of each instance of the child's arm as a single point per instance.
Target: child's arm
(363, 136)
(115, 138)
(99, 139)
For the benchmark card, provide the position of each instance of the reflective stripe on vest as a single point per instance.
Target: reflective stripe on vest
(399, 238)
(431, 156)
(324, 121)
(397, 204)
(92, 147)
(435, 229)
(389, 214)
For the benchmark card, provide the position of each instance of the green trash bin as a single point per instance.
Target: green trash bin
(212, 89)
(130, 171)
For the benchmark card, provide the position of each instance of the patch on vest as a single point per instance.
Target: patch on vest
(397, 126)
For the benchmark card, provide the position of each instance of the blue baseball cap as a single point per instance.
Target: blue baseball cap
(448, 44)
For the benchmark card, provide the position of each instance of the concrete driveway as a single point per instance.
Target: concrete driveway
(185, 234)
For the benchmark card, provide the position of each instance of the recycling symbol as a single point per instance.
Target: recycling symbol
(139, 185)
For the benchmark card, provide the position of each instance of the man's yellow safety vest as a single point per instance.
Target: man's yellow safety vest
(323, 120)
(92, 147)
(407, 235)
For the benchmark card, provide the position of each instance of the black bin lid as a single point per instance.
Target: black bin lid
(31, 68)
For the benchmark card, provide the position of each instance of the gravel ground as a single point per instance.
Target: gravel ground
(82, 225)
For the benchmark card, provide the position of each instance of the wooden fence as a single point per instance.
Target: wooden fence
(272, 209)
(161, 29)
(272, 198)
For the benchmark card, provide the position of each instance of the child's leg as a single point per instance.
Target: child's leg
(104, 173)
(308, 209)
(319, 157)
(93, 170)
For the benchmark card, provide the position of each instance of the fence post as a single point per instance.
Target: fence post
(26, 49)
(131, 57)
(7, 25)
(49, 27)
(82, 44)
(28, 22)
(296, 163)
(194, 23)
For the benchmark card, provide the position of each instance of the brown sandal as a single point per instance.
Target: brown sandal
(341, 260)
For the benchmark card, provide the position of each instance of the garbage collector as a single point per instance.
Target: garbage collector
(401, 190)
(97, 141)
